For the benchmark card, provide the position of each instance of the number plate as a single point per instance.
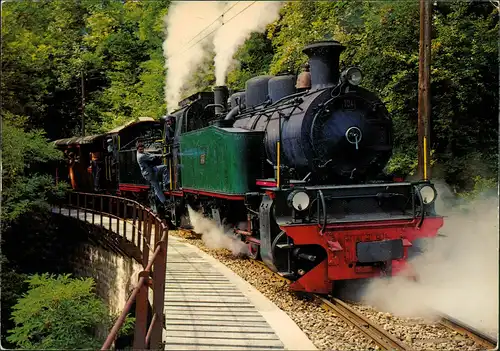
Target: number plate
(349, 104)
(379, 251)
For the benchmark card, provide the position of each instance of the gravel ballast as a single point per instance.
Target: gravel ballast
(323, 328)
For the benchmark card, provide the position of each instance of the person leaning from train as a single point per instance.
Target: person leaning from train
(170, 129)
(95, 164)
(150, 171)
(71, 170)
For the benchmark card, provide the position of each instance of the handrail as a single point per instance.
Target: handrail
(325, 219)
(153, 275)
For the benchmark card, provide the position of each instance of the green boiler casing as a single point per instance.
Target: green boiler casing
(222, 160)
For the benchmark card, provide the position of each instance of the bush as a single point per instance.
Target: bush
(13, 285)
(28, 194)
(26, 157)
(58, 312)
(483, 188)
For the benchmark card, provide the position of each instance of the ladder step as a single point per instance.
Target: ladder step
(284, 246)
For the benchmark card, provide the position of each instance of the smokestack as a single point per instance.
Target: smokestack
(324, 57)
(221, 94)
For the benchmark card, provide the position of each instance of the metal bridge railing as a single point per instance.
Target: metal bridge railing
(144, 223)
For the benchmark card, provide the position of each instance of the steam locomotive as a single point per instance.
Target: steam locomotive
(294, 166)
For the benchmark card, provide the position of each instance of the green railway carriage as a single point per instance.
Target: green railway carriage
(222, 160)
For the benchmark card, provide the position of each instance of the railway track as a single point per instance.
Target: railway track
(384, 339)
(379, 335)
(372, 330)
(479, 337)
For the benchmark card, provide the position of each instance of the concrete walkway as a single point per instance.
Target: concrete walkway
(209, 307)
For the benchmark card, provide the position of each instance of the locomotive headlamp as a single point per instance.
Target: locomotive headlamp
(428, 194)
(299, 200)
(352, 75)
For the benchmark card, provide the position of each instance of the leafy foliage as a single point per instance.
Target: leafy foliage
(126, 41)
(483, 188)
(25, 186)
(49, 47)
(22, 150)
(13, 285)
(58, 313)
(41, 60)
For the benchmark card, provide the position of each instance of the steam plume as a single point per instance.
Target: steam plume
(215, 237)
(248, 17)
(192, 26)
(458, 273)
(188, 24)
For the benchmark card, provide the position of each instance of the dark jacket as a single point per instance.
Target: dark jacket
(146, 162)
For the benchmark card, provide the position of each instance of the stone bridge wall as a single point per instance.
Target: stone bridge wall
(111, 271)
(104, 256)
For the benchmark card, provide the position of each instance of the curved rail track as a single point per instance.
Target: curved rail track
(479, 337)
(383, 338)
(372, 330)
(375, 332)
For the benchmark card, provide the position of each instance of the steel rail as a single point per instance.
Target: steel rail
(372, 330)
(463, 329)
(383, 338)
(121, 319)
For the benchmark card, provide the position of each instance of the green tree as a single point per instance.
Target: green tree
(42, 61)
(58, 313)
(27, 190)
(13, 286)
(465, 90)
(127, 39)
(26, 184)
(50, 47)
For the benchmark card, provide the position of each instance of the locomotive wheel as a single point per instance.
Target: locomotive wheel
(253, 250)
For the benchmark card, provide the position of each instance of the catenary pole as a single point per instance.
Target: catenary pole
(424, 91)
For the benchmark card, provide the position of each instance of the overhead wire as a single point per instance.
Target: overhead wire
(206, 36)
(221, 15)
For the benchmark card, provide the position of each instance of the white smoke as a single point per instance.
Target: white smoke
(249, 17)
(458, 272)
(215, 237)
(188, 24)
(194, 25)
